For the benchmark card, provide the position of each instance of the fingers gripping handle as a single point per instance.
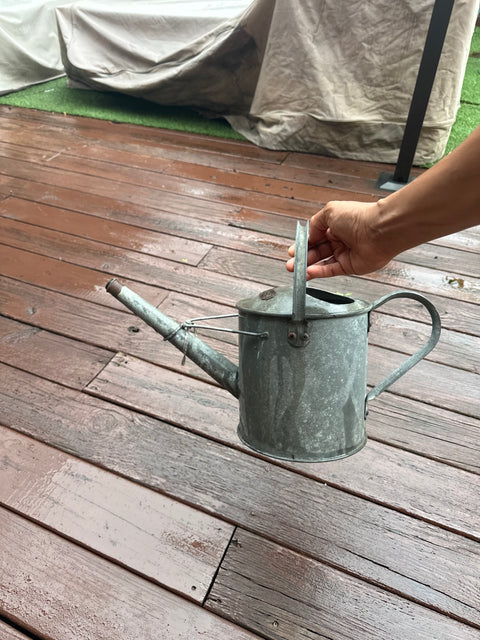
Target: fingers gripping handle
(419, 355)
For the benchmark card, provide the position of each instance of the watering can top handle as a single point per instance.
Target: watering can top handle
(421, 353)
(300, 272)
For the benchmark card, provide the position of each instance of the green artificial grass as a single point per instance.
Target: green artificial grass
(468, 115)
(471, 82)
(56, 96)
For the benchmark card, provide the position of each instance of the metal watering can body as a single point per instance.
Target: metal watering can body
(301, 380)
(305, 402)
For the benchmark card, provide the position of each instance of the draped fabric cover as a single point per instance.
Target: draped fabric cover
(321, 76)
(29, 46)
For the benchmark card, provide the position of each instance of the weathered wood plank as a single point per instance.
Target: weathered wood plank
(148, 189)
(435, 433)
(302, 598)
(193, 247)
(454, 349)
(8, 632)
(115, 330)
(104, 261)
(151, 229)
(48, 355)
(260, 176)
(158, 538)
(145, 156)
(403, 523)
(59, 590)
(280, 183)
(428, 382)
(445, 259)
(369, 170)
(234, 263)
(183, 159)
(73, 280)
(106, 130)
(254, 232)
(132, 211)
(468, 240)
(112, 329)
(118, 234)
(404, 554)
(403, 480)
(398, 274)
(142, 171)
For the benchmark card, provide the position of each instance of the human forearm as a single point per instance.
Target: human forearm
(361, 237)
(444, 199)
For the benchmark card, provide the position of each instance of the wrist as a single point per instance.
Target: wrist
(391, 227)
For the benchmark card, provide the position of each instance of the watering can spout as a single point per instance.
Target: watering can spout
(216, 365)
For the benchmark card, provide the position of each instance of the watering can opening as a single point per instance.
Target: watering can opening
(326, 296)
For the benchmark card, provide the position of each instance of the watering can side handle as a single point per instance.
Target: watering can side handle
(416, 357)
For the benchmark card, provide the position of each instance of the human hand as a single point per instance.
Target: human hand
(343, 240)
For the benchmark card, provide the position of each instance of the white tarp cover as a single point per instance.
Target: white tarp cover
(29, 47)
(324, 76)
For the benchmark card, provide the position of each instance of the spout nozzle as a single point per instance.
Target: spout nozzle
(215, 364)
(113, 287)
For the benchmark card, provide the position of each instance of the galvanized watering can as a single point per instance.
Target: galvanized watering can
(301, 379)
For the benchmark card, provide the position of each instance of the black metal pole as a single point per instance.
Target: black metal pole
(437, 30)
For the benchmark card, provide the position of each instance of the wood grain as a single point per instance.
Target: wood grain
(39, 568)
(51, 356)
(134, 234)
(442, 258)
(91, 128)
(179, 159)
(8, 632)
(302, 598)
(113, 223)
(158, 538)
(57, 275)
(148, 187)
(111, 232)
(421, 487)
(430, 565)
(398, 274)
(143, 205)
(100, 258)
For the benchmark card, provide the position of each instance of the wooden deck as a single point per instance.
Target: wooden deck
(129, 508)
